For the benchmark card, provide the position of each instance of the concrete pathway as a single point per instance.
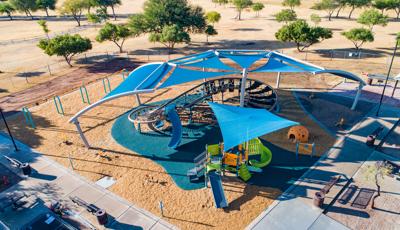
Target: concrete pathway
(294, 209)
(50, 181)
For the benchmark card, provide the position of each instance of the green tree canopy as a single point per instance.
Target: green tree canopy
(170, 36)
(359, 36)
(240, 5)
(45, 28)
(46, 5)
(302, 34)
(257, 7)
(220, 2)
(213, 17)
(291, 3)
(26, 6)
(372, 17)
(357, 4)
(115, 33)
(97, 17)
(180, 18)
(6, 8)
(210, 31)
(381, 5)
(74, 8)
(395, 5)
(286, 15)
(109, 3)
(315, 18)
(66, 46)
(327, 5)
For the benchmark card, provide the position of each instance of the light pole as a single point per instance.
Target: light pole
(8, 129)
(387, 76)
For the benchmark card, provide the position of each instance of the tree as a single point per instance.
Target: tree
(109, 3)
(97, 17)
(240, 5)
(43, 25)
(26, 6)
(180, 18)
(359, 36)
(342, 4)
(315, 18)
(327, 5)
(213, 17)
(291, 3)
(170, 36)
(257, 7)
(381, 5)
(286, 15)
(210, 31)
(74, 7)
(375, 172)
(302, 34)
(115, 33)
(357, 4)
(6, 8)
(220, 2)
(66, 46)
(372, 18)
(395, 5)
(46, 5)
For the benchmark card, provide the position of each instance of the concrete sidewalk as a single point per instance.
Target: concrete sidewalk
(50, 181)
(294, 209)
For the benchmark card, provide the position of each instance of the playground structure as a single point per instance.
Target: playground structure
(210, 64)
(298, 134)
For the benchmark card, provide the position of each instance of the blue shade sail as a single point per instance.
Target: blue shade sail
(239, 124)
(182, 75)
(296, 63)
(134, 79)
(274, 65)
(343, 74)
(244, 60)
(212, 63)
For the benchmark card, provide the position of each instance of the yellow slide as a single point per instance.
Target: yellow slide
(266, 157)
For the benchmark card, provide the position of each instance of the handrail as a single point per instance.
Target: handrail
(28, 117)
(57, 101)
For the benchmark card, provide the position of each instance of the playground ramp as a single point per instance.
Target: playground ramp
(176, 126)
(217, 190)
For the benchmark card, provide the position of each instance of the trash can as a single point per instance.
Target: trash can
(102, 216)
(370, 140)
(319, 199)
(26, 169)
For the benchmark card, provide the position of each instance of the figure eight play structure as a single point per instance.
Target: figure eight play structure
(242, 107)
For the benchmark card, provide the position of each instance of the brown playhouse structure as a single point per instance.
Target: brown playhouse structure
(298, 133)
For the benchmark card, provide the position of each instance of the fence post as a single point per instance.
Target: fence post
(107, 87)
(48, 67)
(28, 117)
(331, 55)
(83, 89)
(58, 104)
(86, 60)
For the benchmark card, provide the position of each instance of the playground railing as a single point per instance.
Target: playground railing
(28, 117)
(58, 104)
(84, 94)
(106, 85)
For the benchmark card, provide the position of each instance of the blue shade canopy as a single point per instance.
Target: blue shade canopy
(152, 72)
(294, 62)
(342, 73)
(182, 75)
(274, 65)
(244, 60)
(239, 124)
(212, 63)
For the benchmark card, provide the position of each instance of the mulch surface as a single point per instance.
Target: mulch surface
(63, 84)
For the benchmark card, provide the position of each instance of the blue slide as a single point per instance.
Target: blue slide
(173, 117)
(217, 190)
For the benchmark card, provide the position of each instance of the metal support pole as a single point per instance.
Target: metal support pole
(278, 80)
(243, 87)
(8, 130)
(138, 99)
(353, 107)
(394, 88)
(79, 129)
(387, 77)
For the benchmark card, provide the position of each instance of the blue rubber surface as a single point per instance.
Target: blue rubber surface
(217, 190)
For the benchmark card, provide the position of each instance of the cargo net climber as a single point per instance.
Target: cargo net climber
(176, 116)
